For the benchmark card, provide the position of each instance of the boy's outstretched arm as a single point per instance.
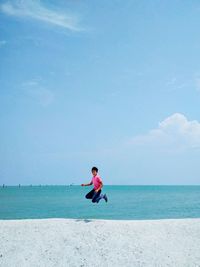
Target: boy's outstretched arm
(87, 184)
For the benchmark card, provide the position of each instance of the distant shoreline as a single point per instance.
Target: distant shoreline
(44, 185)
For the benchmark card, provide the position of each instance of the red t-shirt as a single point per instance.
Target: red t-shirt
(96, 180)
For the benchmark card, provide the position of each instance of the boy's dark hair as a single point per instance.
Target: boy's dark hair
(95, 169)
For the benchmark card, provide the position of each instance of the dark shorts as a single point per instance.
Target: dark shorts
(93, 195)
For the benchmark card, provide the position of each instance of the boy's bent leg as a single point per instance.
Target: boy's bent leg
(90, 194)
(97, 196)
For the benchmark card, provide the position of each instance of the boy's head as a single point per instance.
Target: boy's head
(94, 170)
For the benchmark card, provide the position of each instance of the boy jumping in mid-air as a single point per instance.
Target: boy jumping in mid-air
(95, 193)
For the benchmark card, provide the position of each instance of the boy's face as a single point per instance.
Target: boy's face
(94, 172)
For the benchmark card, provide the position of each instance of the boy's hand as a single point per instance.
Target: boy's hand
(96, 190)
(82, 185)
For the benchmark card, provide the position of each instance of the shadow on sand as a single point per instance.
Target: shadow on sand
(83, 220)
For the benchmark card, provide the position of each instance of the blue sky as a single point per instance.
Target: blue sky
(115, 84)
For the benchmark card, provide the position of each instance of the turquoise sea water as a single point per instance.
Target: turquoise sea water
(125, 202)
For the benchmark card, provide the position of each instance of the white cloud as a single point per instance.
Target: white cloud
(39, 93)
(36, 10)
(3, 42)
(174, 132)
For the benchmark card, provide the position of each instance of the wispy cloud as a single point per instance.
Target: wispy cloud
(34, 9)
(174, 132)
(37, 92)
(174, 84)
(3, 42)
(171, 82)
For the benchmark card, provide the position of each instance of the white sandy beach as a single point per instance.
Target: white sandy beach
(70, 242)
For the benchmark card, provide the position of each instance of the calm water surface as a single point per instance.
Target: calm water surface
(125, 202)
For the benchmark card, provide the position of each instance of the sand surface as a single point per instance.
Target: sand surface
(69, 242)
